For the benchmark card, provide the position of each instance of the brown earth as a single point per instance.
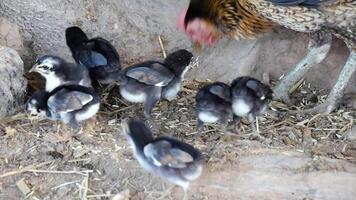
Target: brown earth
(300, 157)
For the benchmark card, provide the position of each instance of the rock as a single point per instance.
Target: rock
(12, 83)
(268, 174)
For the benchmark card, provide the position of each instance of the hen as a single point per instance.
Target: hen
(204, 21)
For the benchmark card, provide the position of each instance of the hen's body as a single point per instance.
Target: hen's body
(338, 17)
(205, 20)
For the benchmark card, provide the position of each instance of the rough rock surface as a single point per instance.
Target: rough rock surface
(270, 174)
(12, 82)
(11, 36)
(133, 27)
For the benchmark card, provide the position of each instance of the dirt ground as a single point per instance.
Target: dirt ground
(300, 156)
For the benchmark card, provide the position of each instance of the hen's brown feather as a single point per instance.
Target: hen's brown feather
(235, 19)
(248, 18)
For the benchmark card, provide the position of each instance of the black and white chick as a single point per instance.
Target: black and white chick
(68, 103)
(178, 63)
(169, 158)
(97, 54)
(250, 98)
(150, 81)
(213, 105)
(58, 72)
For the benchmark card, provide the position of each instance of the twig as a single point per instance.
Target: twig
(188, 90)
(295, 87)
(86, 186)
(203, 81)
(83, 173)
(16, 117)
(162, 47)
(313, 118)
(79, 160)
(64, 184)
(100, 195)
(277, 124)
(25, 169)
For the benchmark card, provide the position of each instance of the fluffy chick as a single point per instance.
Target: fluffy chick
(68, 103)
(150, 81)
(213, 104)
(58, 72)
(169, 158)
(250, 97)
(97, 54)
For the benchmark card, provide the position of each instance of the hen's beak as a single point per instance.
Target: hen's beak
(197, 47)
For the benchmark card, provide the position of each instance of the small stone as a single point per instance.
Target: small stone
(164, 106)
(183, 118)
(23, 186)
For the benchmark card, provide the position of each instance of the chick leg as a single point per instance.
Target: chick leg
(152, 99)
(337, 91)
(319, 46)
(224, 126)
(200, 125)
(237, 120)
(256, 132)
(70, 120)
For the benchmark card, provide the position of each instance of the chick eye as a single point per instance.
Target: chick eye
(45, 67)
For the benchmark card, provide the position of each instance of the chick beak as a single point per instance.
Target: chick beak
(33, 69)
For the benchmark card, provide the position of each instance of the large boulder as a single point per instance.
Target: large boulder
(134, 25)
(12, 82)
(277, 174)
(12, 36)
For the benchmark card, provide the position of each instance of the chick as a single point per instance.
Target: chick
(68, 103)
(177, 62)
(58, 72)
(250, 98)
(150, 81)
(97, 54)
(213, 104)
(169, 158)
